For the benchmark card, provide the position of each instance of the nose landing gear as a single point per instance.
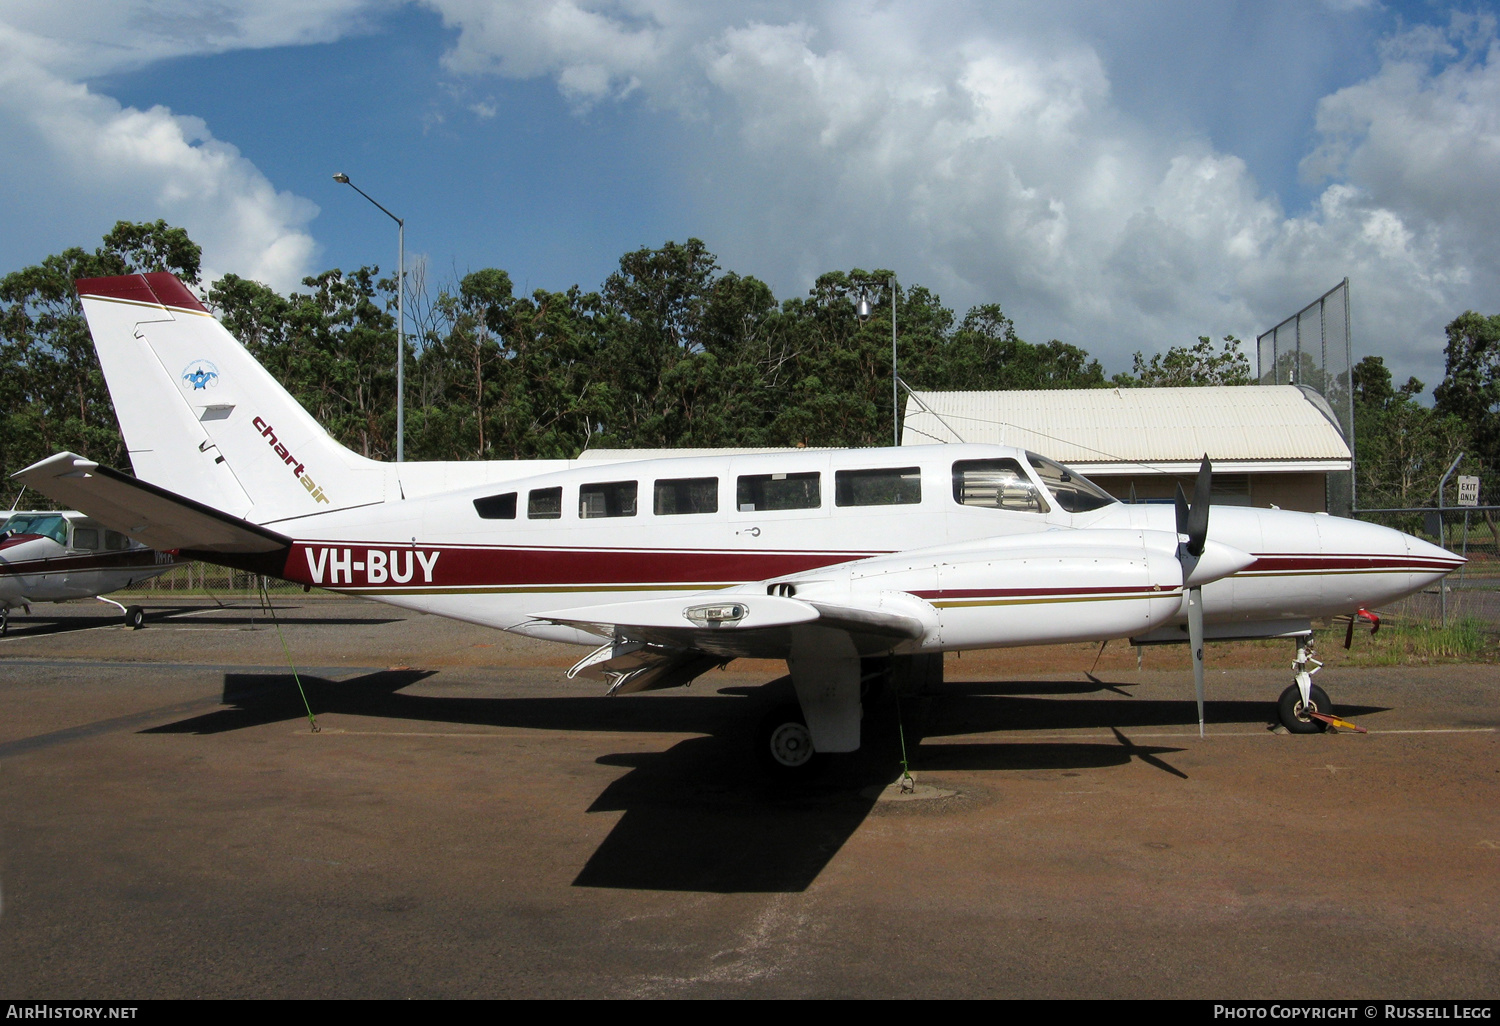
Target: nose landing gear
(1302, 699)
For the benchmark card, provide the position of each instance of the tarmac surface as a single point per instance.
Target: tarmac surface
(467, 823)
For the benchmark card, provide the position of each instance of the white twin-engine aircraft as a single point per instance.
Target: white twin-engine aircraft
(849, 564)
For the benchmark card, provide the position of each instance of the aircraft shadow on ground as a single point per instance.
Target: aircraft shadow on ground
(700, 815)
(34, 626)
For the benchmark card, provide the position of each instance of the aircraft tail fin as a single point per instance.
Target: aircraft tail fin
(202, 418)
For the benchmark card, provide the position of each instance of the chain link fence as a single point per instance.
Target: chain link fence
(1470, 594)
(200, 579)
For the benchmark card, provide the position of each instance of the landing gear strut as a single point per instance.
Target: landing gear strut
(1304, 696)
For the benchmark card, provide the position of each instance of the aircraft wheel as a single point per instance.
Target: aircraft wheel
(784, 744)
(135, 618)
(1293, 714)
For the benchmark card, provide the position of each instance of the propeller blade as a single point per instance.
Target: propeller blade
(1195, 641)
(1182, 512)
(1197, 527)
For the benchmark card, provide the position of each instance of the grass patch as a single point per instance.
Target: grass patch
(1466, 639)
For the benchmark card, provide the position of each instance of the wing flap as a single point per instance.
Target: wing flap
(150, 514)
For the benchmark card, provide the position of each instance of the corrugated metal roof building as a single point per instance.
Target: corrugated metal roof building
(1270, 444)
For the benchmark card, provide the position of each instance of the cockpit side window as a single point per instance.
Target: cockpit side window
(86, 538)
(45, 524)
(996, 484)
(1074, 492)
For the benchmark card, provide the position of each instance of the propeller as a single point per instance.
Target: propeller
(1192, 534)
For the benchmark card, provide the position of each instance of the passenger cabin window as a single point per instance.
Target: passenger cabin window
(1074, 492)
(497, 507)
(681, 495)
(544, 504)
(758, 492)
(114, 541)
(86, 538)
(996, 484)
(608, 499)
(897, 487)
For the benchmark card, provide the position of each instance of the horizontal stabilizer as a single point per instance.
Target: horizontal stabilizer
(145, 512)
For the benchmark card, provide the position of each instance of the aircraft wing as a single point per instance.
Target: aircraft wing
(736, 624)
(149, 514)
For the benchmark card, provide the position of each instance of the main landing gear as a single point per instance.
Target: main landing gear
(794, 739)
(135, 616)
(1304, 697)
(784, 745)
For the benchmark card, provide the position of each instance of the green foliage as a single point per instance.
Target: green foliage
(1403, 447)
(1190, 365)
(1470, 390)
(52, 394)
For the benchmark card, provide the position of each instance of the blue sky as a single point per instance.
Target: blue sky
(1120, 176)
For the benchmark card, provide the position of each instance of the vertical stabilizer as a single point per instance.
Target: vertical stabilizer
(203, 418)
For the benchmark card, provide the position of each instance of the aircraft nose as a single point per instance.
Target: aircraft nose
(1430, 561)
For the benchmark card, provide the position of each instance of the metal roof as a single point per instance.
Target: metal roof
(1283, 426)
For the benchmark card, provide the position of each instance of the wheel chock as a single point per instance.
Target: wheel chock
(1334, 721)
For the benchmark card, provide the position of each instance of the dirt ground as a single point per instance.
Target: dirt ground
(467, 823)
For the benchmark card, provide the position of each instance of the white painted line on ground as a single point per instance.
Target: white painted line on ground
(515, 733)
(1187, 736)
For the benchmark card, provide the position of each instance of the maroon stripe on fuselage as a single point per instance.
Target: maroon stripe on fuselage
(457, 567)
(1395, 562)
(106, 561)
(966, 593)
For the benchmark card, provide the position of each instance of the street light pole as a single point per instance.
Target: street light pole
(862, 310)
(400, 316)
(895, 379)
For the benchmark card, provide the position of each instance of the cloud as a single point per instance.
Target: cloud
(93, 161)
(592, 54)
(992, 161)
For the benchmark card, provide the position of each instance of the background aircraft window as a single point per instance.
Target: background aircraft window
(897, 487)
(686, 495)
(609, 499)
(757, 492)
(499, 507)
(995, 484)
(48, 525)
(544, 504)
(114, 541)
(1074, 492)
(86, 538)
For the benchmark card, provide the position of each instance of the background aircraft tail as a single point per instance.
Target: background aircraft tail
(202, 418)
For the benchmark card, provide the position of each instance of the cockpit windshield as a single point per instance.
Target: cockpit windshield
(49, 525)
(1075, 493)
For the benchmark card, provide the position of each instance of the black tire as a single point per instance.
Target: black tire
(1292, 715)
(135, 618)
(783, 745)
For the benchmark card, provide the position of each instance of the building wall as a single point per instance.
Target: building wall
(1304, 492)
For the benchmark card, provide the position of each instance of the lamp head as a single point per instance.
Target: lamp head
(341, 178)
(863, 307)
